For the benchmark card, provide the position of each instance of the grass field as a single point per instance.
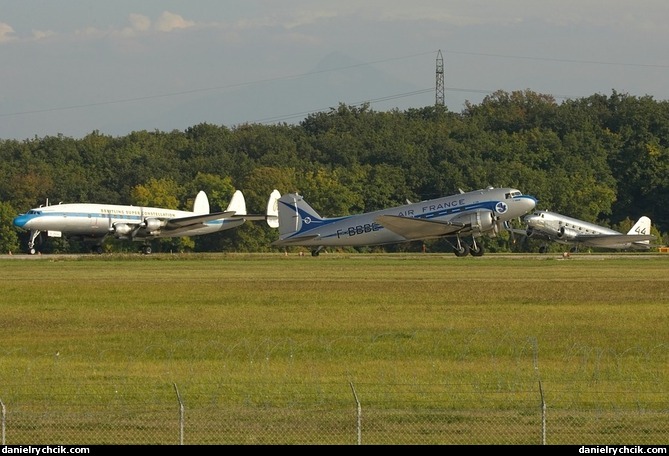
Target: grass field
(592, 328)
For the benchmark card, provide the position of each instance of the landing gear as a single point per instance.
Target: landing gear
(462, 249)
(315, 252)
(145, 249)
(31, 242)
(476, 249)
(543, 249)
(97, 249)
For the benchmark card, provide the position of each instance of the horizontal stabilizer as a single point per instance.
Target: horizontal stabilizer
(196, 219)
(296, 240)
(271, 216)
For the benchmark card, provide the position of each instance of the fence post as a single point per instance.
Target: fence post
(359, 412)
(181, 416)
(541, 390)
(4, 416)
(543, 414)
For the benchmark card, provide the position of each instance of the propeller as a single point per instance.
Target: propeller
(508, 227)
(512, 231)
(142, 223)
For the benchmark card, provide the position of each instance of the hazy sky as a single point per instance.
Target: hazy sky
(72, 67)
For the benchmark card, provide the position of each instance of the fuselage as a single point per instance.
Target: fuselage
(478, 209)
(550, 223)
(96, 220)
(559, 228)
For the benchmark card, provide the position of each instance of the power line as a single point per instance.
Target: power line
(439, 88)
(548, 59)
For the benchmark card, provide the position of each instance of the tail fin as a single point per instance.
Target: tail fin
(292, 210)
(272, 212)
(201, 203)
(237, 203)
(642, 226)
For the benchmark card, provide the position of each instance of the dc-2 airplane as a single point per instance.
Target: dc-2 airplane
(470, 214)
(551, 226)
(94, 222)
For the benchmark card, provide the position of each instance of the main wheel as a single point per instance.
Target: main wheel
(462, 251)
(478, 251)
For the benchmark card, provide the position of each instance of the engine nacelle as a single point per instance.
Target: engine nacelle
(484, 222)
(151, 225)
(566, 234)
(121, 229)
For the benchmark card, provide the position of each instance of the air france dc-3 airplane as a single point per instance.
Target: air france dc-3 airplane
(471, 214)
(94, 222)
(551, 226)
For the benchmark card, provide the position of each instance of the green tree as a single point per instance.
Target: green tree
(162, 193)
(9, 239)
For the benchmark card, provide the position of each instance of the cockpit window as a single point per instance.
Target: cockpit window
(513, 194)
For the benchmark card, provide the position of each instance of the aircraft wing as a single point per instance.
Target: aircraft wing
(604, 240)
(414, 228)
(519, 231)
(191, 220)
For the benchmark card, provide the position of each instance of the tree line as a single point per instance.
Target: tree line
(603, 158)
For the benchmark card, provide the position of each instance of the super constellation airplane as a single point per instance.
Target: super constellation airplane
(95, 222)
(551, 226)
(470, 214)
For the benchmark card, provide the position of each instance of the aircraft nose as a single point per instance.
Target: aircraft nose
(21, 220)
(530, 202)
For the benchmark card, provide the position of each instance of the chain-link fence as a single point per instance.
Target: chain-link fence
(388, 415)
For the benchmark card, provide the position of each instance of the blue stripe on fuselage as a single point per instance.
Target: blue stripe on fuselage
(22, 220)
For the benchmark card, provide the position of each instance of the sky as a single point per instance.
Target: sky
(76, 67)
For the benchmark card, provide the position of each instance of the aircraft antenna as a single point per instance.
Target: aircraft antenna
(440, 80)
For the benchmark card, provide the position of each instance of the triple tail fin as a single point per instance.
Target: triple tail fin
(201, 203)
(272, 213)
(237, 203)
